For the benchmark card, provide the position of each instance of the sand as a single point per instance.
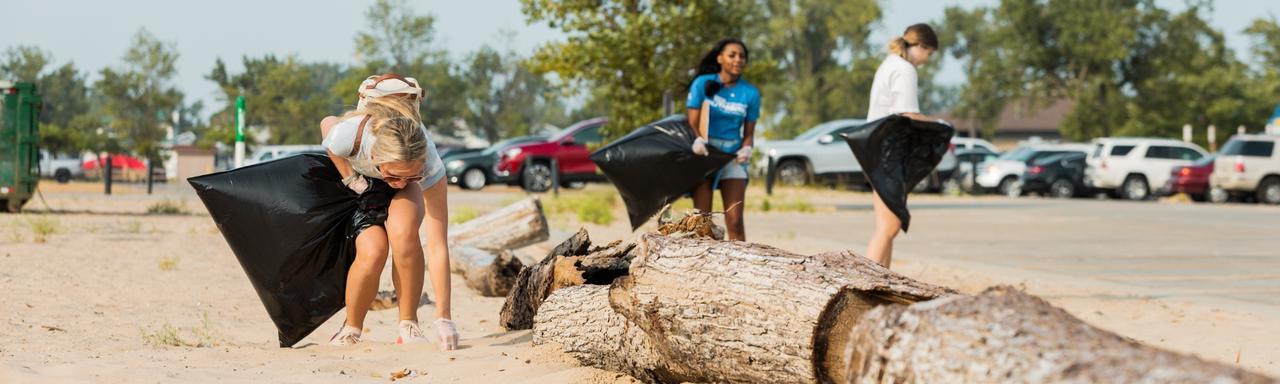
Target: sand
(116, 295)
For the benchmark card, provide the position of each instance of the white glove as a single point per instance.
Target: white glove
(944, 122)
(744, 154)
(448, 334)
(357, 183)
(700, 146)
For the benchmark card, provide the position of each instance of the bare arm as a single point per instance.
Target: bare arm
(437, 224)
(344, 166)
(919, 117)
(748, 133)
(698, 120)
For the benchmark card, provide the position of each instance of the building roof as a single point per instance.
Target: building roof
(1022, 117)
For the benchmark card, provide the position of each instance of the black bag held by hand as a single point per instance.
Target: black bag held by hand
(291, 224)
(655, 165)
(896, 153)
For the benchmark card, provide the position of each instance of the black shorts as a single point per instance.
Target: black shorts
(371, 207)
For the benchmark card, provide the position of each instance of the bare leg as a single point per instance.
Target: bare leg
(880, 248)
(702, 196)
(404, 217)
(362, 279)
(733, 192)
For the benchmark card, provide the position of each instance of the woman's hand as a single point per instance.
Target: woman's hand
(744, 154)
(700, 146)
(448, 333)
(357, 183)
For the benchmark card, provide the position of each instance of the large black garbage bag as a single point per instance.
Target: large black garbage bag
(655, 165)
(290, 224)
(896, 153)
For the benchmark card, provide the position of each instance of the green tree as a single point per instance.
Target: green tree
(631, 52)
(1263, 89)
(816, 58)
(505, 98)
(139, 96)
(286, 98)
(65, 124)
(397, 39)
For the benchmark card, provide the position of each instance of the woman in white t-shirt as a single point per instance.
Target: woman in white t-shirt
(894, 91)
(385, 154)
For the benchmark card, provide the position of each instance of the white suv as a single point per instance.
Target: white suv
(1247, 164)
(1128, 166)
(1004, 174)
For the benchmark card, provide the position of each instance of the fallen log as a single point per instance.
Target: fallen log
(489, 273)
(479, 249)
(580, 321)
(512, 227)
(573, 262)
(742, 312)
(1005, 335)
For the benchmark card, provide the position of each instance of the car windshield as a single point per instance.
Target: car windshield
(1057, 157)
(1019, 154)
(509, 142)
(819, 130)
(563, 133)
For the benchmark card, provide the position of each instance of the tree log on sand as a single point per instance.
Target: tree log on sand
(480, 249)
(743, 312)
(1005, 335)
(580, 321)
(489, 273)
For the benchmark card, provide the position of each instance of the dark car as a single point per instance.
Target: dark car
(473, 170)
(1192, 180)
(1060, 176)
(529, 165)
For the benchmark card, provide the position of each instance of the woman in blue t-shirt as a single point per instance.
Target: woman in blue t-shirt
(724, 108)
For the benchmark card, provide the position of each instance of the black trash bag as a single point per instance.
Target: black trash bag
(896, 153)
(292, 224)
(655, 165)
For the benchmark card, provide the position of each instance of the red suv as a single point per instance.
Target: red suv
(529, 165)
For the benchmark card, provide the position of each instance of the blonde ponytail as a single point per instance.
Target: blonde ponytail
(917, 34)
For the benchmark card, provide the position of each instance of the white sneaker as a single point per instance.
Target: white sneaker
(348, 335)
(410, 333)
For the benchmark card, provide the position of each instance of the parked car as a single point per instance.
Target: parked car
(968, 159)
(1004, 174)
(124, 167)
(1248, 164)
(272, 152)
(1129, 167)
(949, 172)
(61, 167)
(1191, 179)
(474, 170)
(817, 154)
(1060, 176)
(529, 165)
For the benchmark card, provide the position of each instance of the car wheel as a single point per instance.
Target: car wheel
(793, 173)
(473, 179)
(1062, 189)
(1010, 186)
(63, 176)
(1135, 188)
(1217, 195)
(536, 177)
(1269, 191)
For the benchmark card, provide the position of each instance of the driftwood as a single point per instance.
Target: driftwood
(573, 262)
(580, 321)
(742, 312)
(1004, 335)
(490, 273)
(512, 227)
(479, 249)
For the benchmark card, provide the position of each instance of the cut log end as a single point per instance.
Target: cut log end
(835, 329)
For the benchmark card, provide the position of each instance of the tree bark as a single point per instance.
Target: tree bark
(1004, 335)
(490, 273)
(742, 312)
(534, 283)
(512, 227)
(580, 320)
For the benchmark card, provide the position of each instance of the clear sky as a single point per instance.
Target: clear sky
(95, 34)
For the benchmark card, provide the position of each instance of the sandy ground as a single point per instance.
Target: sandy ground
(116, 295)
